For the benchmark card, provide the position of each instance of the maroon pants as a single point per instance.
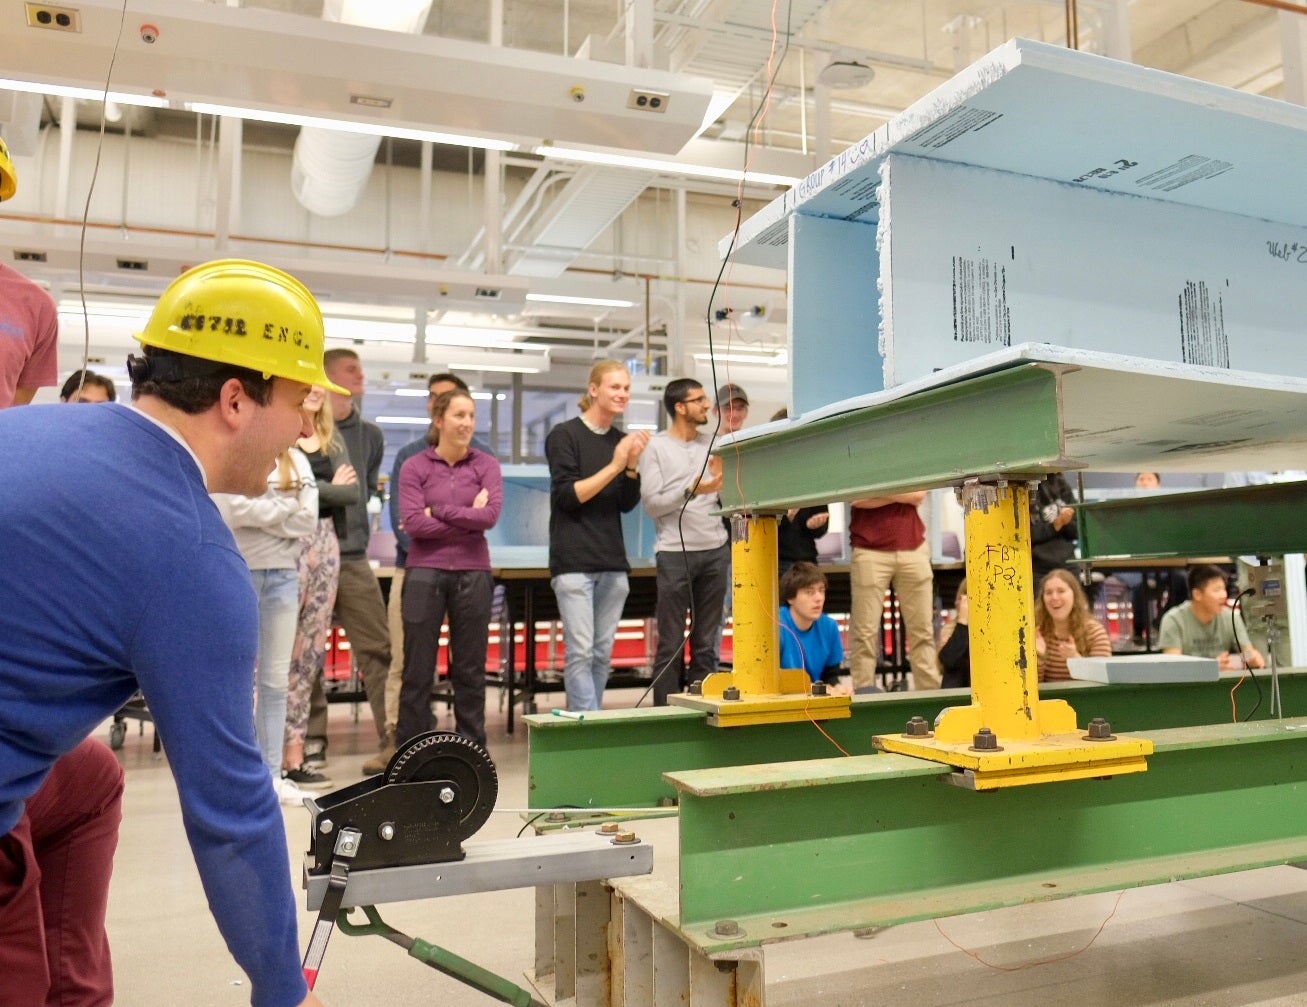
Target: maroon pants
(54, 885)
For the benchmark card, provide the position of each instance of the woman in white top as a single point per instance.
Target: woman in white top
(268, 531)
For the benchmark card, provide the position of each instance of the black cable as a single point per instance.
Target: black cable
(1234, 628)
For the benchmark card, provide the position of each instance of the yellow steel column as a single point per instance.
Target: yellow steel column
(1008, 736)
(754, 593)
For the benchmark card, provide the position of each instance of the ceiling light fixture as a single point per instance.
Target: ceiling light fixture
(596, 302)
(846, 71)
(349, 126)
(778, 359)
(508, 363)
(660, 165)
(88, 93)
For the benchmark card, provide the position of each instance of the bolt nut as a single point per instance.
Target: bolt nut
(696, 687)
(730, 693)
(446, 795)
(325, 826)
(609, 828)
(1099, 730)
(985, 740)
(917, 727)
(819, 688)
(726, 928)
(625, 839)
(386, 830)
(555, 816)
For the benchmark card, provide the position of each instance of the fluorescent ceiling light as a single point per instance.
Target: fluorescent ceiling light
(659, 165)
(511, 363)
(89, 93)
(403, 421)
(413, 393)
(349, 126)
(597, 302)
(642, 426)
(778, 359)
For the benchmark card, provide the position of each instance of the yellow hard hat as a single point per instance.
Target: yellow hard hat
(235, 311)
(8, 177)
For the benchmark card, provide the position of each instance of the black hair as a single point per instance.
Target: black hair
(453, 379)
(676, 391)
(1202, 575)
(191, 384)
(438, 408)
(76, 381)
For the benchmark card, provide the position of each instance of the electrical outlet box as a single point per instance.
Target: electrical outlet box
(648, 101)
(40, 15)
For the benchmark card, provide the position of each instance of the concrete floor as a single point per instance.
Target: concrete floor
(1219, 942)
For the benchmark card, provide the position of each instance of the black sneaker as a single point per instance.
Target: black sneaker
(307, 779)
(315, 753)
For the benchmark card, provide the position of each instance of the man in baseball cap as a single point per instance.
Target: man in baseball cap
(136, 584)
(732, 407)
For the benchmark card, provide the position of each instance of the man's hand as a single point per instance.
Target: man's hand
(712, 479)
(311, 1000)
(818, 521)
(1064, 517)
(628, 449)
(345, 476)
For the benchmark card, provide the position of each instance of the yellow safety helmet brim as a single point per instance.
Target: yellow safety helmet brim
(8, 177)
(244, 313)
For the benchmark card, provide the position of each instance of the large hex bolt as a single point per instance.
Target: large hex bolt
(730, 693)
(1099, 730)
(610, 828)
(917, 727)
(446, 795)
(625, 839)
(819, 688)
(386, 830)
(985, 740)
(726, 928)
(696, 687)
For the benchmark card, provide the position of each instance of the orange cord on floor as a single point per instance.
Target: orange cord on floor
(1042, 961)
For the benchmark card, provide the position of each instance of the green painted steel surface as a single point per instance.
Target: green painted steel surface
(1246, 520)
(1006, 422)
(616, 758)
(883, 839)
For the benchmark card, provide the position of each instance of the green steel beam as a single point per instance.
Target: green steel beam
(1243, 521)
(1005, 422)
(806, 848)
(616, 758)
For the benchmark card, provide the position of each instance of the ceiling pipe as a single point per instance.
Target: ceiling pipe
(330, 169)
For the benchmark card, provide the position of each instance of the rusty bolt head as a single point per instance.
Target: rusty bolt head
(609, 828)
(1099, 730)
(556, 816)
(696, 687)
(819, 688)
(917, 727)
(726, 928)
(625, 839)
(731, 693)
(985, 740)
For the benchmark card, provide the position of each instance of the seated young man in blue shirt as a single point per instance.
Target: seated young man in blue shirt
(809, 639)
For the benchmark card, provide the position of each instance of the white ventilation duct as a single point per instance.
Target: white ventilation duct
(330, 168)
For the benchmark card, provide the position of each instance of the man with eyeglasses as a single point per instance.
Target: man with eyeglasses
(679, 483)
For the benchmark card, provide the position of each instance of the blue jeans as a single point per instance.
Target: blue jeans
(279, 605)
(589, 605)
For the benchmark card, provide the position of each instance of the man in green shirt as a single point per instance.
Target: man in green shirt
(1205, 626)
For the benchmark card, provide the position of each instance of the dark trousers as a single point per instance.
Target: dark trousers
(54, 885)
(362, 614)
(464, 596)
(689, 581)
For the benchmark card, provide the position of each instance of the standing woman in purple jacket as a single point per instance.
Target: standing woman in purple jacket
(449, 495)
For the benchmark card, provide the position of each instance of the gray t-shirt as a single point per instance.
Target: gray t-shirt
(1182, 631)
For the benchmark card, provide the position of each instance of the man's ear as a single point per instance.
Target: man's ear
(234, 406)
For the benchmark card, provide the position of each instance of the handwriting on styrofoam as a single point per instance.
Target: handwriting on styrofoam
(1288, 251)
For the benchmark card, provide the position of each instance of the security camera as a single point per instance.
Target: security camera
(149, 34)
(577, 93)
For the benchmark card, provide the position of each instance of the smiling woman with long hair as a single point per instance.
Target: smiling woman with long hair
(449, 496)
(1064, 626)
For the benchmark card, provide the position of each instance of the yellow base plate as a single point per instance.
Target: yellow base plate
(1049, 759)
(762, 709)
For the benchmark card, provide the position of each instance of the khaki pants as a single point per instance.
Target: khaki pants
(395, 618)
(871, 574)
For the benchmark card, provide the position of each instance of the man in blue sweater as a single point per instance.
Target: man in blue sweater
(139, 585)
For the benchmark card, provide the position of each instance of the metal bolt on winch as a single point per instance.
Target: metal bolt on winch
(917, 727)
(386, 830)
(446, 795)
(325, 826)
(1099, 730)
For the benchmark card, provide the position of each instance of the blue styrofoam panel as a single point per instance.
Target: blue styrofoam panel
(975, 260)
(834, 312)
(1054, 113)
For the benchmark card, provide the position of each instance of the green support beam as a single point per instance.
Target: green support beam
(1242, 521)
(617, 758)
(1005, 422)
(807, 848)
